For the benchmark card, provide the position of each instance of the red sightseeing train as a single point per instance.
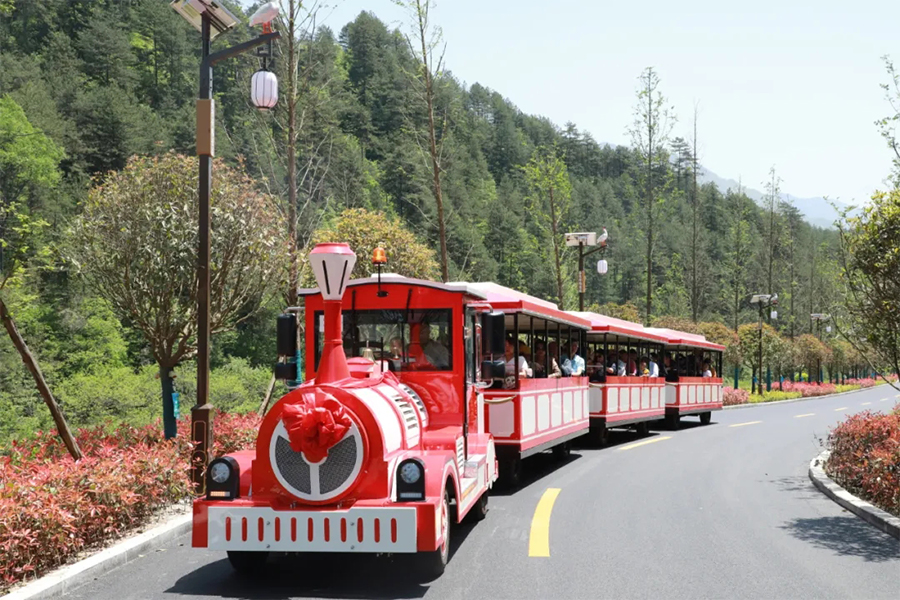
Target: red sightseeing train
(448, 385)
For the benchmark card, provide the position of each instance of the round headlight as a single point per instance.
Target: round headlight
(410, 472)
(220, 472)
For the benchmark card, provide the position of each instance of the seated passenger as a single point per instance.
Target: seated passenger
(644, 371)
(435, 352)
(540, 361)
(576, 362)
(396, 351)
(707, 370)
(523, 369)
(632, 363)
(654, 365)
(622, 364)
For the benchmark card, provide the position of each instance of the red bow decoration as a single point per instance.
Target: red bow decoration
(315, 425)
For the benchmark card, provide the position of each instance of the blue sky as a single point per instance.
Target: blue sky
(789, 83)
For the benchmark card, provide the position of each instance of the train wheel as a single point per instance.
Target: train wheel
(480, 510)
(563, 450)
(248, 564)
(432, 564)
(673, 422)
(511, 472)
(643, 428)
(600, 435)
(705, 418)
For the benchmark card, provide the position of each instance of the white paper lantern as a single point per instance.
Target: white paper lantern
(828, 329)
(602, 267)
(774, 315)
(264, 90)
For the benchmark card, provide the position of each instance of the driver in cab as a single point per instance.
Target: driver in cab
(435, 352)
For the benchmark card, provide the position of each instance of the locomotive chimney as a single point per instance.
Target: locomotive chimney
(332, 264)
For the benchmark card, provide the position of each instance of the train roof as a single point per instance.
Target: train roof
(690, 340)
(620, 327)
(388, 278)
(511, 301)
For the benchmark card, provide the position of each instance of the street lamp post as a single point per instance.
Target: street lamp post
(762, 301)
(582, 239)
(211, 19)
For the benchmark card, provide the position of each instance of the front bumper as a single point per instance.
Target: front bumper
(261, 528)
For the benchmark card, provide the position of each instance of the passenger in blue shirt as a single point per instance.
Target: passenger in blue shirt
(572, 366)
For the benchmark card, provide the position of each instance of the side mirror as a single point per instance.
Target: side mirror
(493, 369)
(286, 371)
(286, 335)
(493, 333)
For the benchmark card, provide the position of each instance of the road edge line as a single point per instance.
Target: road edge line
(873, 515)
(65, 579)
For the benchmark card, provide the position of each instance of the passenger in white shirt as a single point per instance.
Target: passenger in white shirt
(654, 368)
(524, 370)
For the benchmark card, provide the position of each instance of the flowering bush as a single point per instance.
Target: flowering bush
(733, 396)
(865, 457)
(775, 396)
(808, 390)
(866, 382)
(52, 507)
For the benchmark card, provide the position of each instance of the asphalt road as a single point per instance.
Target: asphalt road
(721, 511)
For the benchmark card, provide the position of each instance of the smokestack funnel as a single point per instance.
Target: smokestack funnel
(332, 264)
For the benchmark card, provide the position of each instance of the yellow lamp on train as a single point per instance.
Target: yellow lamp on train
(379, 259)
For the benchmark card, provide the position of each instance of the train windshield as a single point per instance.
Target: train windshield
(410, 340)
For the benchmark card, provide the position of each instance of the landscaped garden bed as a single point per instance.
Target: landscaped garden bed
(53, 508)
(865, 458)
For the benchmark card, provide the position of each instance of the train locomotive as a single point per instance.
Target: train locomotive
(375, 454)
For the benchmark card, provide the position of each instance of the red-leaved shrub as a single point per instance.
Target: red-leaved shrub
(52, 507)
(732, 396)
(865, 457)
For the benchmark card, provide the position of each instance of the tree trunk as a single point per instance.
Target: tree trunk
(170, 425)
(556, 255)
(432, 138)
(264, 406)
(695, 287)
(650, 151)
(64, 432)
(294, 277)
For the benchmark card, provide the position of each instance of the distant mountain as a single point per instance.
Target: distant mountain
(817, 211)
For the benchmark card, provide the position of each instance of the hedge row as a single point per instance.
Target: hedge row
(52, 507)
(865, 457)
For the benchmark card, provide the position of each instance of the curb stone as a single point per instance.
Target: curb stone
(65, 579)
(791, 400)
(869, 513)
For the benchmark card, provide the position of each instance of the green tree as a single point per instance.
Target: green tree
(870, 259)
(136, 242)
(653, 122)
(365, 231)
(549, 202)
(28, 165)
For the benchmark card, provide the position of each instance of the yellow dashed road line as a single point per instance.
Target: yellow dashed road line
(747, 423)
(645, 442)
(539, 539)
(866, 403)
(840, 409)
(806, 415)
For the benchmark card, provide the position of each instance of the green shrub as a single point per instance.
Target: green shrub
(774, 396)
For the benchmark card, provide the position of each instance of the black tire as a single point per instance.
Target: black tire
(248, 564)
(511, 472)
(673, 422)
(563, 450)
(479, 511)
(705, 418)
(643, 428)
(431, 565)
(599, 435)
